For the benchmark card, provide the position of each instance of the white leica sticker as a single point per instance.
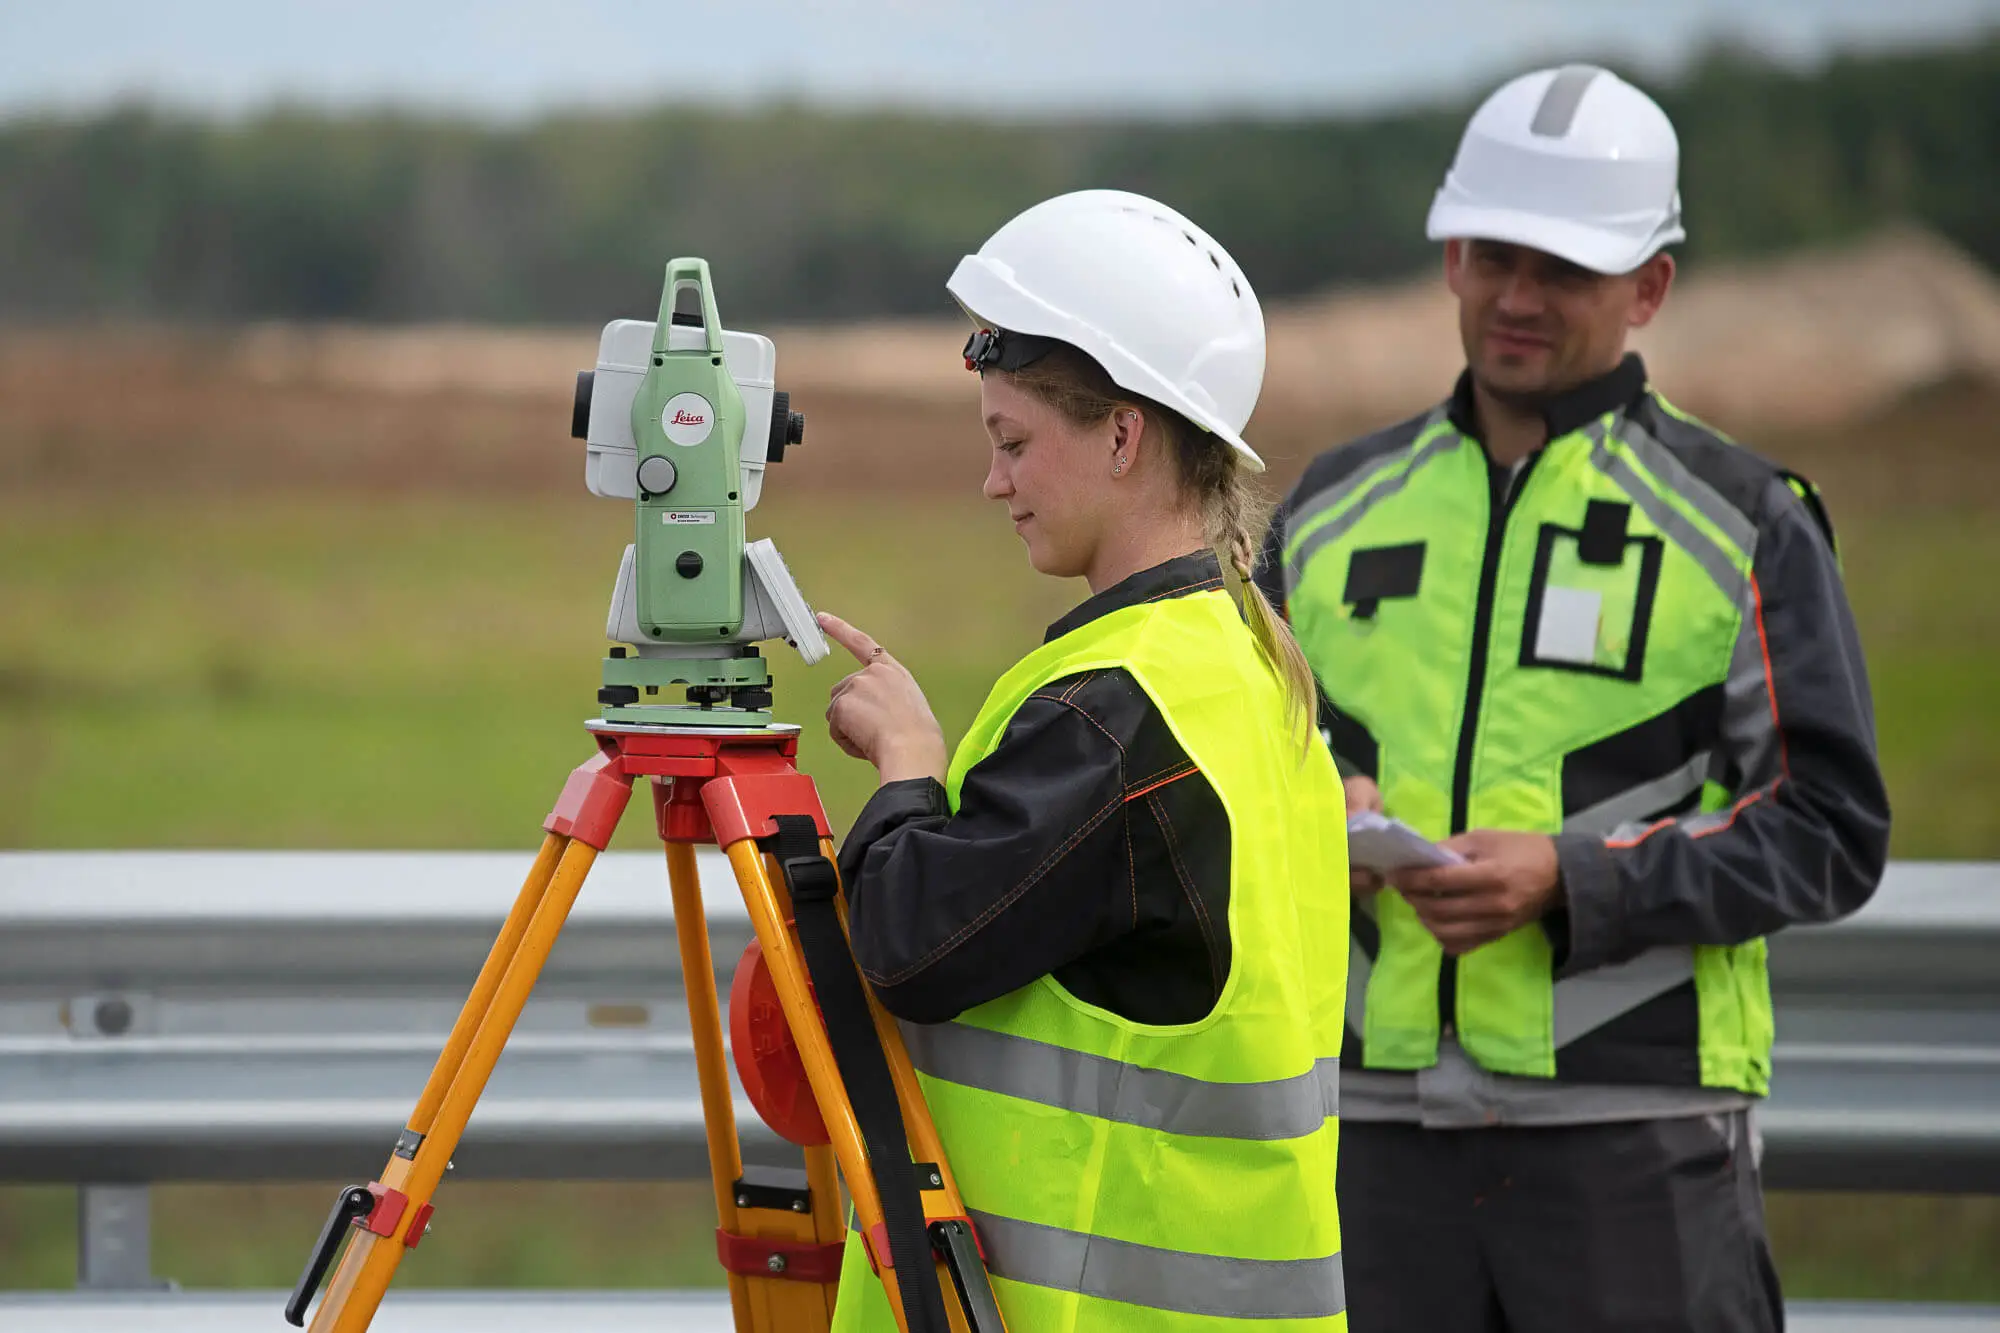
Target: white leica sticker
(687, 418)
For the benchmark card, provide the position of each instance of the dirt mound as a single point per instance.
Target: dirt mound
(1811, 339)
(1813, 347)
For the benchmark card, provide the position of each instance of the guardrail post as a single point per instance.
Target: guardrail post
(114, 1240)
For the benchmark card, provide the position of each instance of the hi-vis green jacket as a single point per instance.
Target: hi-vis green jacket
(1635, 641)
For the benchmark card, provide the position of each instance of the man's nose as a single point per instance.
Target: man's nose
(1521, 295)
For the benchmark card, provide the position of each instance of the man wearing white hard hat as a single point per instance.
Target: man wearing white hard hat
(1603, 654)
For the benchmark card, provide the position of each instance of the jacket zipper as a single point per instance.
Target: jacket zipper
(1498, 508)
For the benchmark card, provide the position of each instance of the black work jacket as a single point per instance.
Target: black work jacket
(1086, 845)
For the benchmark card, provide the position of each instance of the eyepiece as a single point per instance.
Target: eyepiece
(579, 412)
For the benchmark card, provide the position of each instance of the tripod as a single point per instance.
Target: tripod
(821, 1061)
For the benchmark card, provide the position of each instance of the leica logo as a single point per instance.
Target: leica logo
(687, 418)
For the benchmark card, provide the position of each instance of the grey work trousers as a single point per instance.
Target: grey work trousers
(1649, 1226)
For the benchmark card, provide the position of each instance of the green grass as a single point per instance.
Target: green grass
(1923, 591)
(1830, 1246)
(655, 1234)
(414, 672)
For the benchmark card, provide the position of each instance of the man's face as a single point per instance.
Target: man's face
(1535, 326)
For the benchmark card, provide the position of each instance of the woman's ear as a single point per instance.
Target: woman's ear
(1128, 426)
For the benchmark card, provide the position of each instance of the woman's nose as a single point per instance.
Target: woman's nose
(998, 486)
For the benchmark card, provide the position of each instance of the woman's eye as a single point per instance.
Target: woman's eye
(1010, 446)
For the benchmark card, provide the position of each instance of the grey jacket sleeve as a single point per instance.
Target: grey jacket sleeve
(1808, 835)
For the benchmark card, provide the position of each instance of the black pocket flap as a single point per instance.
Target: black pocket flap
(1383, 571)
(1602, 541)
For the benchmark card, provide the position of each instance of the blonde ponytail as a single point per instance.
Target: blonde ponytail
(1232, 512)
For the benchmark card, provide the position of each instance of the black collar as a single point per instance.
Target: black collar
(1617, 388)
(1198, 571)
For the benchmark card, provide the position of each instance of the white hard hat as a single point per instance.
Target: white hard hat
(1137, 287)
(1574, 161)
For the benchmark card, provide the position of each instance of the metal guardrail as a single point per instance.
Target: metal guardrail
(249, 1015)
(218, 1016)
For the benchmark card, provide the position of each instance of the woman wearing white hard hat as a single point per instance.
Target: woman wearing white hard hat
(1104, 920)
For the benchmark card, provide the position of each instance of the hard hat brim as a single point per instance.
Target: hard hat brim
(988, 293)
(1596, 248)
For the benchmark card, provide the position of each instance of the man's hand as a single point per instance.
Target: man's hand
(879, 713)
(1362, 794)
(1509, 879)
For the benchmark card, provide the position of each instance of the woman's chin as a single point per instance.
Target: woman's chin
(1044, 561)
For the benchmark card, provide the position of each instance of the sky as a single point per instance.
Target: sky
(507, 59)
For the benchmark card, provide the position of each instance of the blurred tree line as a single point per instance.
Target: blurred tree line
(816, 215)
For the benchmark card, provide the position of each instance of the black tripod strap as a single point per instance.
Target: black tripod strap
(857, 1052)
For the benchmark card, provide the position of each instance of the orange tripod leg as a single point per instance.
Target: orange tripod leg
(505, 945)
(585, 816)
(770, 913)
(765, 1301)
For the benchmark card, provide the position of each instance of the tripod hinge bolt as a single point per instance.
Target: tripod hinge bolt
(776, 1263)
(798, 1205)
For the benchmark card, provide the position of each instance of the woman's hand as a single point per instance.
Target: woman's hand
(879, 713)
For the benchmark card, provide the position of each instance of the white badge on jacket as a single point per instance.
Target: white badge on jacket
(1568, 632)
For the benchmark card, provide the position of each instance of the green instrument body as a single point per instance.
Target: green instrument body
(689, 537)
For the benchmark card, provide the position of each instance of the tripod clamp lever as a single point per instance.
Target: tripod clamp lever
(354, 1203)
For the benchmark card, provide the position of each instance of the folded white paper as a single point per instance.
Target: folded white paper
(1376, 842)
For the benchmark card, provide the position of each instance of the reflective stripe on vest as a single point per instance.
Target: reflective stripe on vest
(1326, 517)
(1036, 1071)
(1586, 1001)
(1200, 1284)
(1596, 637)
(1152, 1278)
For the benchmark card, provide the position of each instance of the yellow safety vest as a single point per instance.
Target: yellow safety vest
(1126, 1176)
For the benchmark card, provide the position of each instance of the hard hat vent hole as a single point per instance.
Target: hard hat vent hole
(1213, 260)
(1236, 287)
(1191, 241)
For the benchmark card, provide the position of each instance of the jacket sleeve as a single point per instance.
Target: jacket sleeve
(1808, 835)
(948, 911)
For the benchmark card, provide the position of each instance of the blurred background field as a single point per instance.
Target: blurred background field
(295, 551)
